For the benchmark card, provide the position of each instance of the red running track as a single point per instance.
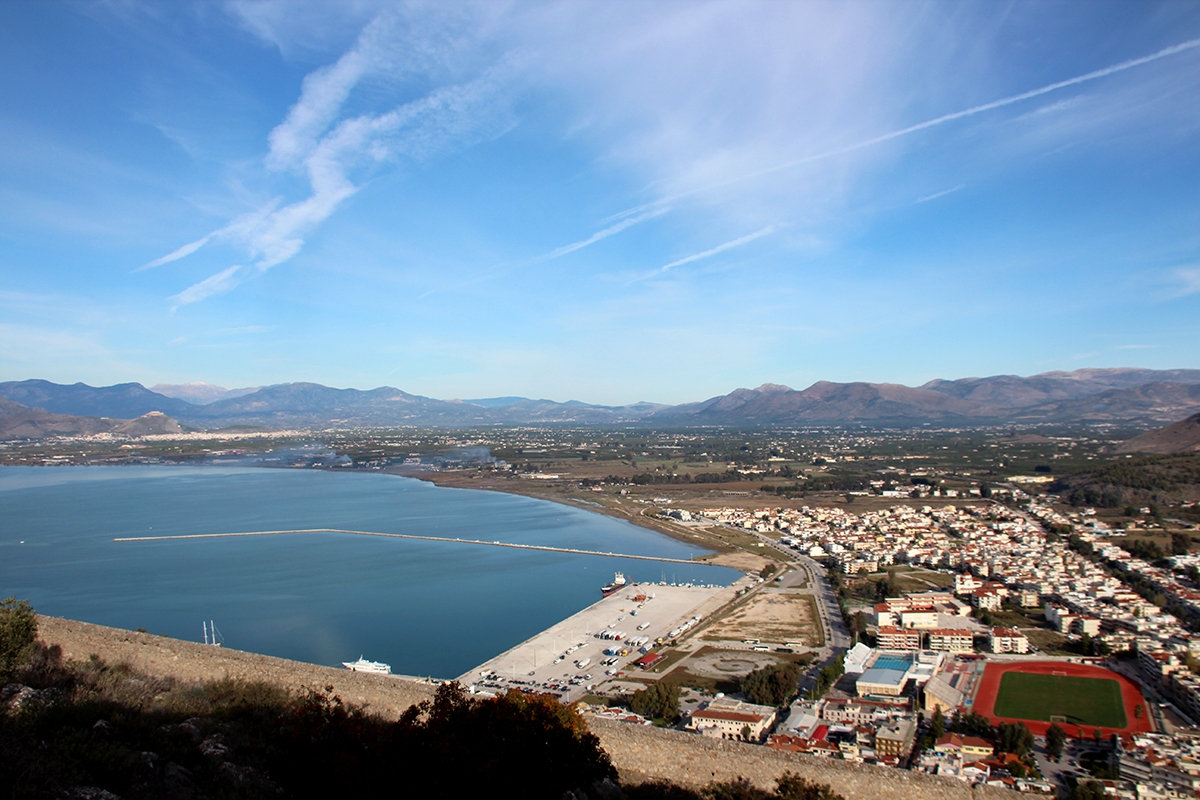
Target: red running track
(989, 688)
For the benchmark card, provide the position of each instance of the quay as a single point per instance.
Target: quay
(550, 661)
(513, 545)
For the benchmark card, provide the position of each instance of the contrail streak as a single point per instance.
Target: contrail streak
(604, 234)
(920, 126)
(750, 237)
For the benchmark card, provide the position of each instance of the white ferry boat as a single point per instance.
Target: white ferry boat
(362, 665)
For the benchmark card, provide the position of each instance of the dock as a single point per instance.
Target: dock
(477, 542)
(549, 661)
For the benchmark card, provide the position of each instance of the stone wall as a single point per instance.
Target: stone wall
(642, 752)
(638, 752)
(191, 661)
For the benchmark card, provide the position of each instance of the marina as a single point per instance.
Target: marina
(572, 657)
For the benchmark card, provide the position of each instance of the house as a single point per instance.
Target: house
(889, 638)
(950, 640)
(896, 738)
(726, 718)
(1007, 640)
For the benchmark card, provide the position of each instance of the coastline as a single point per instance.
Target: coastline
(723, 555)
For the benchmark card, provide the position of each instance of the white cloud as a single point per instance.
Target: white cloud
(1189, 280)
(327, 146)
(175, 255)
(222, 282)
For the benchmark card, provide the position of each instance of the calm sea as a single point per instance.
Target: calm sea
(426, 608)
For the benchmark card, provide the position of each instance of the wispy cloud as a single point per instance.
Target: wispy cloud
(1137, 346)
(609, 231)
(936, 195)
(721, 248)
(1189, 280)
(920, 126)
(315, 139)
(175, 255)
(220, 283)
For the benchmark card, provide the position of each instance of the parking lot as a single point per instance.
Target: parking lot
(598, 643)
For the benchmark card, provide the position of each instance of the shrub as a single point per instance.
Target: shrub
(18, 632)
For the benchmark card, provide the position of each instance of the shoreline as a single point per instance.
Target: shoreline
(722, 555)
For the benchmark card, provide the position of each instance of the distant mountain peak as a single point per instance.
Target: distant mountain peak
(773, 388)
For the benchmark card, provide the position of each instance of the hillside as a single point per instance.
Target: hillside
(1161, 480)
(18, 421)
(1180, 437)
(826, 402)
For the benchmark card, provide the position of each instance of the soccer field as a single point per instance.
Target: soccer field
(1092, 702)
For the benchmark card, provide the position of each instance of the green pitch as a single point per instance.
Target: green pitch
(1094, 702)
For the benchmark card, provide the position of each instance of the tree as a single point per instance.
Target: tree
(973, 723)
(1056, 738)
(793, 787)
(773, 685)
(858, 625)
(1088, 790)
(657, 701)
(18, 632)
(937, 724)
(1014, 737)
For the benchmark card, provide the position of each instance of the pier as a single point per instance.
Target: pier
(513, 545)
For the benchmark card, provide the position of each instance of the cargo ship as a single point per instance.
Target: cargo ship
(617, 585)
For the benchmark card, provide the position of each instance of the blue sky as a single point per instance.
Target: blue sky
(610, 202)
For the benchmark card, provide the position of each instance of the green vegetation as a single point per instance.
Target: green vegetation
(829, 675)
(18, 631)
(658, 701)
(1015, 738)
(1081, 701)
(1137, 480)
(774, 685)
(107, 726)
(1056, 739)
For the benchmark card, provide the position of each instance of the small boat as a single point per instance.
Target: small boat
(617, 585)
(362, 665)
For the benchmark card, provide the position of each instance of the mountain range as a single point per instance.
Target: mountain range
(1086, 395)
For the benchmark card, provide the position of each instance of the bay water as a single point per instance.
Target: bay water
(427, 608)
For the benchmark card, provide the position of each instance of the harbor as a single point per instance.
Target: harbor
(601, 642)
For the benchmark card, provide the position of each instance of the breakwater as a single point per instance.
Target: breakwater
(514, 545)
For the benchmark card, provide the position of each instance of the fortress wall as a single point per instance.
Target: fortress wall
(642, 752)
(638, 752)
(192, 661)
